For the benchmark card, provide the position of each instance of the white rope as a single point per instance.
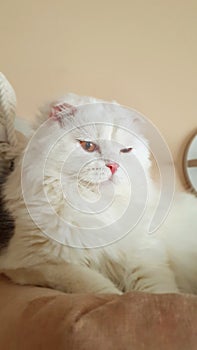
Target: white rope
(9, 148)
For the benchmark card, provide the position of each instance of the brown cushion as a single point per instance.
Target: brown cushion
(40, 318)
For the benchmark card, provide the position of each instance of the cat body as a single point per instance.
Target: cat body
(81, 198)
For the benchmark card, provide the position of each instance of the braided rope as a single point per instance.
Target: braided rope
(8, 148)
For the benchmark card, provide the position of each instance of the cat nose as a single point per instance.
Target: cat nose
(113, 167)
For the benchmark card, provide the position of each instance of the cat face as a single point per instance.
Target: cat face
(96, 143)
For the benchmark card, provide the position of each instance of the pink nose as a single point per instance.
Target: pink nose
(113, 167)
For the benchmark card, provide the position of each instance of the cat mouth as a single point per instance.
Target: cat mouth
(93, 183)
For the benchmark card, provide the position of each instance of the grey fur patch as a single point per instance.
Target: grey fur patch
(6, 220)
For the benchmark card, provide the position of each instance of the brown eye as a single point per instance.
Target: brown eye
(126, 150)
(88, 146)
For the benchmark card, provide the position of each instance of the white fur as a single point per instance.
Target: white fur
(162, 262)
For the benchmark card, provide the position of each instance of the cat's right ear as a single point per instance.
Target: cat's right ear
(61, 111)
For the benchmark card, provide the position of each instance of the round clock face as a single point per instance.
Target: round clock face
(190, 164)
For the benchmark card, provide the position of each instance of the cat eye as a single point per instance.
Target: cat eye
(88, 146)
(126, 150)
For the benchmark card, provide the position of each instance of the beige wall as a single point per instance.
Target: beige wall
(142, 53)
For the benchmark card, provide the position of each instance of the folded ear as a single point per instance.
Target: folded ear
(62, 110)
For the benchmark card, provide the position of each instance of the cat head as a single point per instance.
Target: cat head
(87, 162)
(93, 142)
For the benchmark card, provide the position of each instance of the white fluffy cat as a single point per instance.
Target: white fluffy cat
(82, 198)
